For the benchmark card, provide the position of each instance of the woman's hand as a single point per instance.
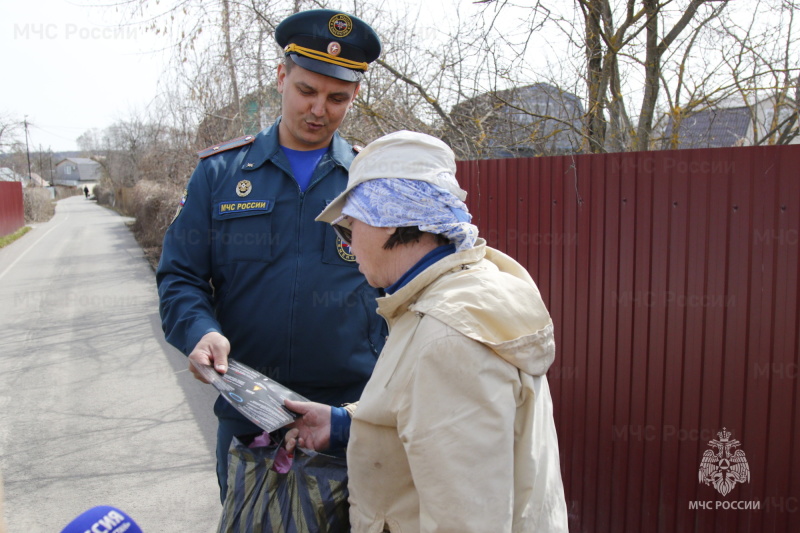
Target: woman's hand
(312, 430)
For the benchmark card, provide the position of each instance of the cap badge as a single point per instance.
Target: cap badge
(243, 188)
(340, 25)
(334, 48)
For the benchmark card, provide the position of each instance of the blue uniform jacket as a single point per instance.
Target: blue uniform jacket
(282, 289)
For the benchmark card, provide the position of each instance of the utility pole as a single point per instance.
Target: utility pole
(41, 164)
(27, 151)
(50, 151)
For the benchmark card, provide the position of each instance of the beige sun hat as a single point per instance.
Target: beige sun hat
(402, 154)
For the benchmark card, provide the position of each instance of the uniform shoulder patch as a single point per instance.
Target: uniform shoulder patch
(227, 145)
(180, 205)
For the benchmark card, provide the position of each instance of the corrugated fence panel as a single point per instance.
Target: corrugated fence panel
(672, 280)
(634, 449)
(12, 211)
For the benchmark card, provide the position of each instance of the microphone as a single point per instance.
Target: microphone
(102, 519)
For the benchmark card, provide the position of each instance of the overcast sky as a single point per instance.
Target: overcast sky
(68, 68)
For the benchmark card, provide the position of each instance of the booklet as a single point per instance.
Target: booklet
(257, 397)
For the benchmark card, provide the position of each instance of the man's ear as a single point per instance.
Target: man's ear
(358, 88)
(282, 72)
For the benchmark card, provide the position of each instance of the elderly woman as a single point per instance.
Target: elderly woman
(454, 431)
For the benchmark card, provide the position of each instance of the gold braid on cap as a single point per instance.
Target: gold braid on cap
(322, 56)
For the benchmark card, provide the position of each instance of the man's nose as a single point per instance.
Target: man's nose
(318, 107)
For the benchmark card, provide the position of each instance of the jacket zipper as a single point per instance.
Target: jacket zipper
(295, 285)
(295, 288)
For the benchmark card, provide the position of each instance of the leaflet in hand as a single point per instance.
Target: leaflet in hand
(254, 395)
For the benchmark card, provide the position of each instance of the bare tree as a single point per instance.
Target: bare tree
(226, 58)
(626, 48)
(764, 67)
(638, 68)
(10, 128)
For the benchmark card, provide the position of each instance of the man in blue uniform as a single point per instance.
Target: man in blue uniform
(245, 270)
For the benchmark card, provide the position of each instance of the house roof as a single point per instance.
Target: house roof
(79, 161)
(712, 128)
(519, 120)
(6, 174)
(564, 104)
(528, 94)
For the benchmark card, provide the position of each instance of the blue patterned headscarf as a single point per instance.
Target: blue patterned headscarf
(400, 202)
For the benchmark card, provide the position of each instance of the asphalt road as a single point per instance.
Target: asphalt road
(95, 407)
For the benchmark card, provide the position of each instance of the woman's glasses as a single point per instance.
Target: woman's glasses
(344, 233)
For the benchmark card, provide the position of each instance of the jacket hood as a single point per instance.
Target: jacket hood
(486, 296)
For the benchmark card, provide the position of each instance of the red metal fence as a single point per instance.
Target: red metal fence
(672, 279)
(12, 213)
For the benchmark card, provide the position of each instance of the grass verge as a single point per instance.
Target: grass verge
(8, 239)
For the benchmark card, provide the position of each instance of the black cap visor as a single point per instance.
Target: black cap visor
(327, 69)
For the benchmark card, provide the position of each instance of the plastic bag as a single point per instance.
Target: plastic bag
(310, 498)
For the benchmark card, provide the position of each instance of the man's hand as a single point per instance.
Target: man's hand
(213, 350)
(312, 430)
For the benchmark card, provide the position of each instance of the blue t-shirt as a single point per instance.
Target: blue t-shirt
(303, 163)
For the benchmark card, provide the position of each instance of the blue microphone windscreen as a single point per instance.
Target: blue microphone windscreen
(102, 519)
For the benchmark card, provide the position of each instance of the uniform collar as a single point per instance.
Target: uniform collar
(266, 147)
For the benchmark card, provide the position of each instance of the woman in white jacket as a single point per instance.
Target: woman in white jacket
(454, 431)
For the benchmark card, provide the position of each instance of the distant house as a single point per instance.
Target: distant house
(7, 174)
(728, 126)
(258, 112)
(77, 172)
(538, 119)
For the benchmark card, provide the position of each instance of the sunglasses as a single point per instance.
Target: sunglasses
(343, 232)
